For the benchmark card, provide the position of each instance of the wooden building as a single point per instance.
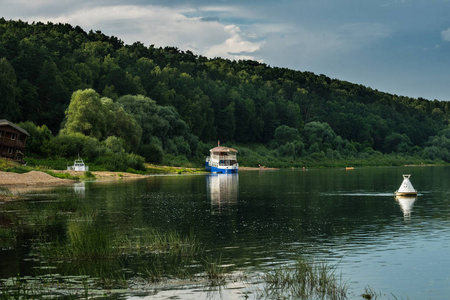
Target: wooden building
(12, 140)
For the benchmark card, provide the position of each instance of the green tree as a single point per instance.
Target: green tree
(86, 115)
(396, 142)
(121, 124)
(285, 134)
(9, 109)
(39, 135)
(319, 133)
(226, 125)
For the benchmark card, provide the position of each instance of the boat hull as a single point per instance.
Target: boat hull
(221, 169)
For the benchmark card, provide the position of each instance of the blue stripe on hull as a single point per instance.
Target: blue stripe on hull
(221, 169)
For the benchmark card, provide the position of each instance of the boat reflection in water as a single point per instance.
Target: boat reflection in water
(406, 204)
(80, 188)
(223, 191)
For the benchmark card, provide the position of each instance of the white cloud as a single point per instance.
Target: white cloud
(446, 35)
(163, 26)
(236, 45)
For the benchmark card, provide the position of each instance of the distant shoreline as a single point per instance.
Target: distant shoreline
(257, 169)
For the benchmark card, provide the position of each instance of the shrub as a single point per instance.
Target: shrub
(65, 145)
(153, 152)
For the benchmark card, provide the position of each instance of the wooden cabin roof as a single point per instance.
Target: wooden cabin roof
(4, 122)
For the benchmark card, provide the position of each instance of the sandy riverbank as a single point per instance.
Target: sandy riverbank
(32, 178)
(38, 178)
(16, 184)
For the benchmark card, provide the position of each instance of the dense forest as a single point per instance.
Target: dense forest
(119, 105)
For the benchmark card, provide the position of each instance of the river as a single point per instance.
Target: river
(255, 221)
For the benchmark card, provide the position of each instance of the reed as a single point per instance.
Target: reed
(80, 246)
(153, 241)
(304, 281)
(214, 271)
(370, 294)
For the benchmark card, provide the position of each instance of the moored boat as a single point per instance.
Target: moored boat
(406, 188)
(222, 160)
(78, 165)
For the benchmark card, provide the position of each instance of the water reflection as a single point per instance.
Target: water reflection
(80, 188)
(406, 204)
(223, 192)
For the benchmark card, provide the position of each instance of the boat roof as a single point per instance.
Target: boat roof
(223, 149)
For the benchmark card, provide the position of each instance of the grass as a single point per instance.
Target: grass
(154, 169)
(214, 270)
(304, 280)
(89, 243)
(370, 294)
(89, 175)
(61, 175)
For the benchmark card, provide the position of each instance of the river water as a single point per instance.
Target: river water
(258, 220)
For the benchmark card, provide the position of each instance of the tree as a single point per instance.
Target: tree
(86, 115)
(318, 132)
(39, 135)
(121, 124)
(9, 109)
(52, 94)
(226, 126)
(396, 142)
(285, 134)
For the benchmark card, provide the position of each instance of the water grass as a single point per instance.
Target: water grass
(370, 294)
(87, 242)
(150, 240)
(214, 270)
(304, 280)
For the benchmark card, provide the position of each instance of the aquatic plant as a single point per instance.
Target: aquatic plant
(150, 240)
(215, 271)
(304, 280)
(370, 294)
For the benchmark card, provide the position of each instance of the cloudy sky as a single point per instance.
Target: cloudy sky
(395, 46)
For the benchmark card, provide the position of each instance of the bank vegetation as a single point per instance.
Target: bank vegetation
(120, 106)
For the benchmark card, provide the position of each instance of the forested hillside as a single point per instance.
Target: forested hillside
(91, 89)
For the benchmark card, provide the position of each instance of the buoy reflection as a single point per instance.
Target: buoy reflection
(406, 204)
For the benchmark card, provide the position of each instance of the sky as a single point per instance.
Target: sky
(400, 47)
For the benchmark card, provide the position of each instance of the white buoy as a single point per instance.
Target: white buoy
(406, 188)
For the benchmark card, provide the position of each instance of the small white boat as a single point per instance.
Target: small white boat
(78, 165)
(406, 188)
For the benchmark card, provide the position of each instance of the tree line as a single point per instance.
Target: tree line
(163, 102)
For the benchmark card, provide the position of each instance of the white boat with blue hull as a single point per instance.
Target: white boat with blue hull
(222, 160)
